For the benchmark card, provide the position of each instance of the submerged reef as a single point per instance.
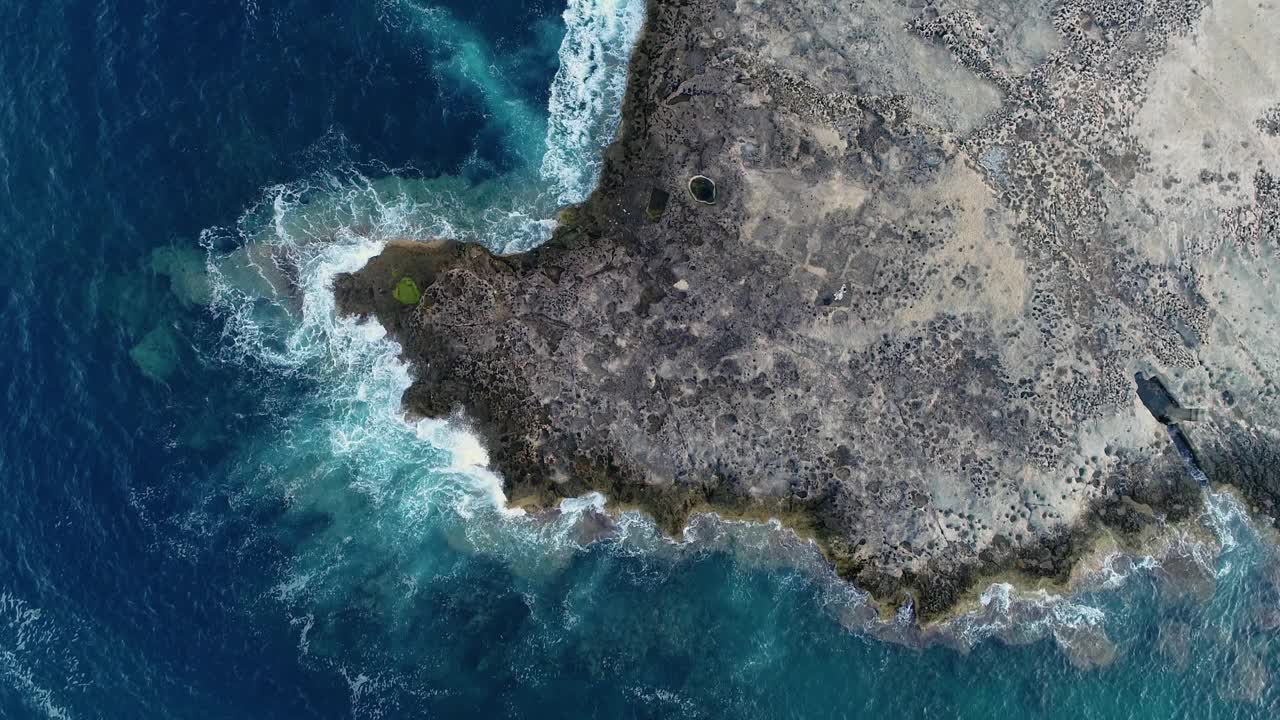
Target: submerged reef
(947, 271)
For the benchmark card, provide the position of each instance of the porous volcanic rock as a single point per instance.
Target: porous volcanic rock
(946, 237)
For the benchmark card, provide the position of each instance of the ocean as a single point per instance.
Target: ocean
(212, 506)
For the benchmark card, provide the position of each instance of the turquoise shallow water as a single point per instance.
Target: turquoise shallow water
(214, 509)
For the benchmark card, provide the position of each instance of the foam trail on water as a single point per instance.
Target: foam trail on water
(39, 698)
(28, 638)
(1226, 516)
(465, 59)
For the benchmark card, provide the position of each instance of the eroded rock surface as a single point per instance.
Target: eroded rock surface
(945, 238)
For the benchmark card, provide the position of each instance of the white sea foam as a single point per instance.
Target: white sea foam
(307, 623)
(320, 227)
(658, 697)
(1116, 568)
(465, 449)
(591, 502)
(586, 95)
(468, 457)
(39, 698)
(368, 694)
(1021, 617)
(1224, 514)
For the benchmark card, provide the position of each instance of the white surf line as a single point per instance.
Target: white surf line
(587, 92)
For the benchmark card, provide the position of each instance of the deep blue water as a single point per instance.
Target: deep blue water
(211, 509)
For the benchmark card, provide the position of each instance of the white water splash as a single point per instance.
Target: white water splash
(321, 227)
(586, 95)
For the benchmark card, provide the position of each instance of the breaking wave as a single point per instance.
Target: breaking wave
(586, 95)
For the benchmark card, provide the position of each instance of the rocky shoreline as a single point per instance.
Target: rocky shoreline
(906, 315)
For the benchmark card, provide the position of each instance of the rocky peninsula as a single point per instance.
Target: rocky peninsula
(949, 286)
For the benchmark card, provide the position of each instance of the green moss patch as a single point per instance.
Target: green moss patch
(407, 291)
